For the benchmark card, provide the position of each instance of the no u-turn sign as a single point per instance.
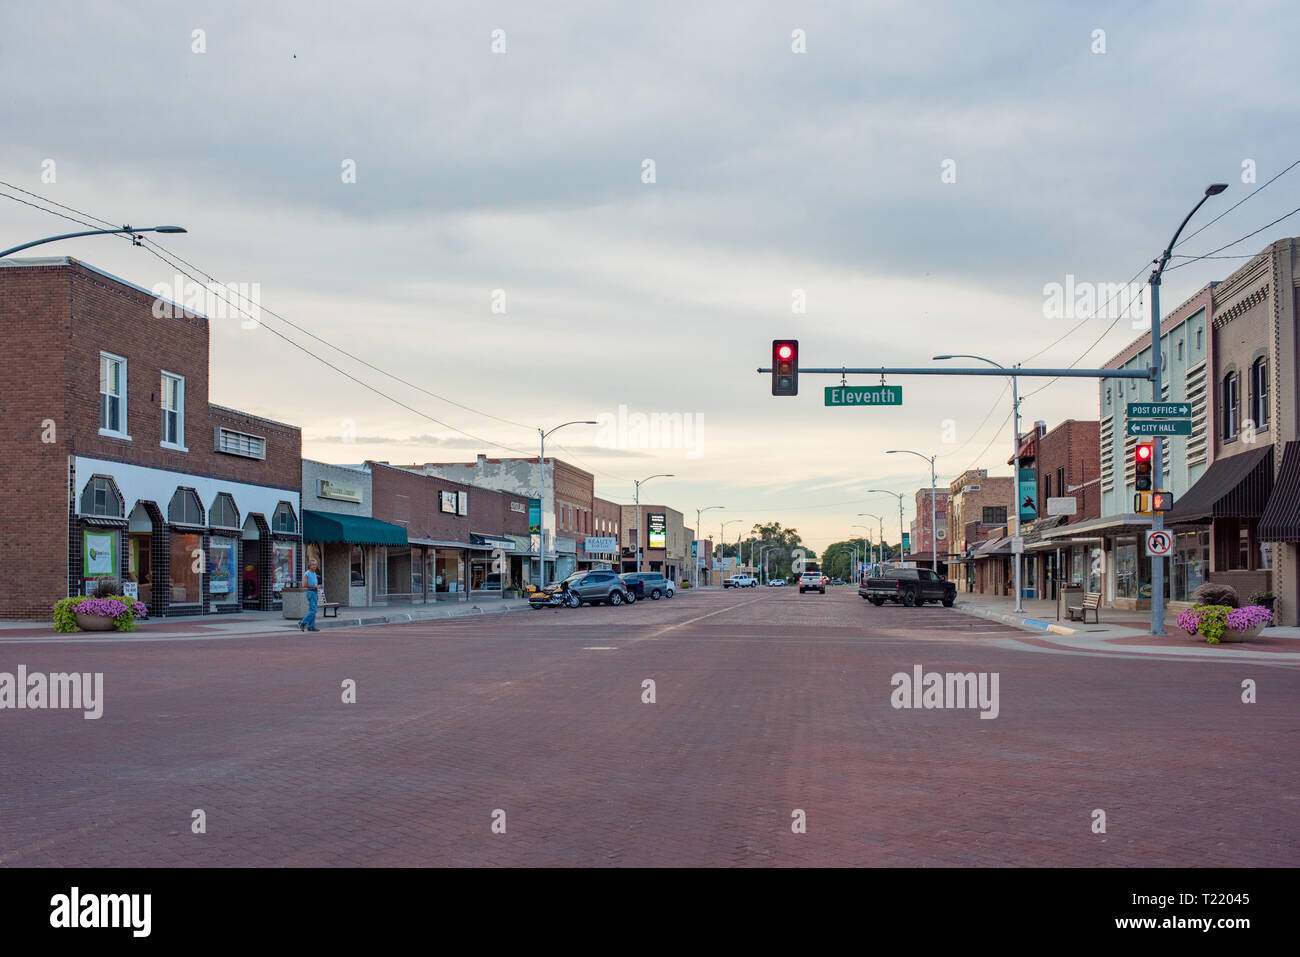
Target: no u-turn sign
(1160, 542)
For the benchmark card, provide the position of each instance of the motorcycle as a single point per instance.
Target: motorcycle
(553, 596)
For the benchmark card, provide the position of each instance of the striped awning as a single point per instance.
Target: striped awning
(1281, 519)
(1238, 486)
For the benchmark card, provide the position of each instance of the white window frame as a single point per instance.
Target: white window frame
(179, 445)
(217, 433)
(112, 433)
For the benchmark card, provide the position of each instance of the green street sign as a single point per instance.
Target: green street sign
(1160, 410)
(864, 395)
(1160, 427)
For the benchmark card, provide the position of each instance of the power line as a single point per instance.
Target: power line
(1192, 259)
(1248, 196)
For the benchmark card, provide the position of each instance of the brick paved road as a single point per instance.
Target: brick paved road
(766, 702)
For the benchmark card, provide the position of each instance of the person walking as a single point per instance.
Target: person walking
(311, 581)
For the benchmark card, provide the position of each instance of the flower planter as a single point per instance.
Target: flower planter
(95, 622)
(1232, 634)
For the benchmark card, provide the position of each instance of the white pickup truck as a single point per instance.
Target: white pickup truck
(740, 581)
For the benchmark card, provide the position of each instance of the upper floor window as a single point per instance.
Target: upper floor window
(184, 508)
(1231, 405)
(1259, 392)
(284, 519)
(223, 513)
(994, 515)
(240, 443)
(1198, 340)
(1180, 348)
(173, 410)
(112, 394)
(101, 498)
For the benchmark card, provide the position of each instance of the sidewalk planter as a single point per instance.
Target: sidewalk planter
(295, 602)
(1224, 623)
(95, 622)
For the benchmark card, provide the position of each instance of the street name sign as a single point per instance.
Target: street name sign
(1159, 410)
(1160, 427)
(864, 395)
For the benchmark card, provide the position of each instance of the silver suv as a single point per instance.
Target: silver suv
(598, 587)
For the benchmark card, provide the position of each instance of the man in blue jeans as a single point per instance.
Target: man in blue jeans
(311, 582)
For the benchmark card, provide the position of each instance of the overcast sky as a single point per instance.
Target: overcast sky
(774, 171)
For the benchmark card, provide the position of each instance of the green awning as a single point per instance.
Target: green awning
(330, 527)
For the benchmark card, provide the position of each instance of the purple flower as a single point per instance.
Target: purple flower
(105, 607)
(1244, 619)
(1189, 621)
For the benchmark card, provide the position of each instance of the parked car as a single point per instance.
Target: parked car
(838, 581)
(908, 587)
(812, 581)
(654, 585)
(597, 587)
(740, 581)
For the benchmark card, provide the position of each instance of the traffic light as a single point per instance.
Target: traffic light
(785, 366)
(1142, 454)
(1162, 501)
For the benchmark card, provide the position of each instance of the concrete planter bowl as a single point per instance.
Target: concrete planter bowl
(95, 622)
(1232, 634)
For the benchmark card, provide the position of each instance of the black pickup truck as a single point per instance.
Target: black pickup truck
(908, 587)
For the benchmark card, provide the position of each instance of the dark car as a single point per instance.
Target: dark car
(652, 584)
(909, 587)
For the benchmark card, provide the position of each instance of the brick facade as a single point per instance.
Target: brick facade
(60, 315)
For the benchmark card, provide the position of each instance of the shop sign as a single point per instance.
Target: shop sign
(1063, 506)
(447, 502)
(519, 507)
(600, 545)
(339, 492)
(1028, 494)
(99, 554)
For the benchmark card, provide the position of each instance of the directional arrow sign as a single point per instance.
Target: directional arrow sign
(1160, 427)
(864, 395)
(1159, 410)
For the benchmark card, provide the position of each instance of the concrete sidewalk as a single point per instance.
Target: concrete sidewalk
(259, 622)
(1127, 632)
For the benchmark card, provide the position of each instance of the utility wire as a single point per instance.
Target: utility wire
(1251, 195)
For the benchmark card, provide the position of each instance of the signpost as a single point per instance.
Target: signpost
(864, 395)
(1159, 418)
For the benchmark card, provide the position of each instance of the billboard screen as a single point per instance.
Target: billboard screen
(657, 528)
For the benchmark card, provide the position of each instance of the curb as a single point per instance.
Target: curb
(403, 617)
(1028, 624)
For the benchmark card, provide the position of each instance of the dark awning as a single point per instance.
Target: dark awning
(327, 527)
(1234, 487)
(1281, 519)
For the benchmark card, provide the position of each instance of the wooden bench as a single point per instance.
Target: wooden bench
(1091, 602)
(325, 607)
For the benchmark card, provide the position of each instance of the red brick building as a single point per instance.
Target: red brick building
(1068, 464)
(115, 466)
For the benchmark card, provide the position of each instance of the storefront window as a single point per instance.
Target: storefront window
(358, 566)
(222, 553)
(186, 579)
(1126, 569)
(283, 566)
(448, 574)
(1096, 568)
(1191, 562)
(99, 557)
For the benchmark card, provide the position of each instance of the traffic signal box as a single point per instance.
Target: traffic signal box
(785, 366)
(1148, 501)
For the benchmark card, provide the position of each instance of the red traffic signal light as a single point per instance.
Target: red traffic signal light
(785, 366)
(1142, 454)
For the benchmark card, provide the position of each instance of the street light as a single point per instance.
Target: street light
(541, 508)
(934, 541)
(132, 231)
(722, 541)
(1158, 520)
(899, 496)
(881, 521)
(700, 534)
(1015, 459)
(638, 513)
(866, 541)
